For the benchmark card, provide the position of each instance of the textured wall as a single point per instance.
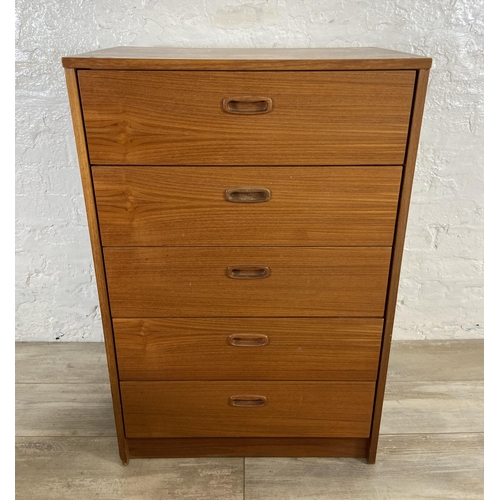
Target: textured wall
(441, 288)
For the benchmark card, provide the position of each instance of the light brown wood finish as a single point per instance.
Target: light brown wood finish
(445, 463)
(199, 348)
(414, 467)
(414, 401)
(427, 360)
(169, 118)
(75, 468)
(187, 281)
(64, 410)
(88, 192)
(410, 467)
(295, 59)
(433, 407)
(61, 363)
(404, 205)
(202, 409)
(411, 406)
(182, 206)
(411, 360)
(443, 400)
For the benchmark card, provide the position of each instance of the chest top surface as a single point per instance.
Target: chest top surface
(320, 59)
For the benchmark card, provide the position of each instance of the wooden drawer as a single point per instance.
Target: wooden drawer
(290, 206)
(248, 348)
(204, 409)
(160, 282)
(177, 117)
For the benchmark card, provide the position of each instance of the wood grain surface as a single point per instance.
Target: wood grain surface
(318, 118)
(247, 447)
(61, 363)
(74, 468)
(58, 457)
(238, 59)
(95, 240)
(428, 360)
(310, 206)
(414, 467)
(182, 268)
(397, 256)
(410, 467)
(64, 410)
(186, 281)
(199, 348)
(428, 407)
(201, 409)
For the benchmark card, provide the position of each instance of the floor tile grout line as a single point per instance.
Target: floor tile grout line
(389, 382)
(64, 436)
(432, 381)
(432, 433)
(61, 383)
(244, 458)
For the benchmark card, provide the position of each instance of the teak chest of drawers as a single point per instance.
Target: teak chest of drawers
(247, 212)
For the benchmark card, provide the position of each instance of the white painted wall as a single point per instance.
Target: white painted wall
(441, 289)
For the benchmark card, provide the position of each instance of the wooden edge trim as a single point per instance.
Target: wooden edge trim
(247, 447)
(397, 255)
(88, 192)
(116, 63)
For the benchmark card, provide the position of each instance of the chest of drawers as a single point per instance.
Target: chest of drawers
(247, 212)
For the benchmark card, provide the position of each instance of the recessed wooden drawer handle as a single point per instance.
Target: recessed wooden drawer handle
(248, 272)
(248, 195)
(247, 105)
(248, 339)
(247, 401)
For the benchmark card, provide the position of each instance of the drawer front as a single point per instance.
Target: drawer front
(312, 118)
(244, 409)
(247, 206)
(159, 282)
(248, 348)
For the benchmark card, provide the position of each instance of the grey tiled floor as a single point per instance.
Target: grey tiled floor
(431, 444)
